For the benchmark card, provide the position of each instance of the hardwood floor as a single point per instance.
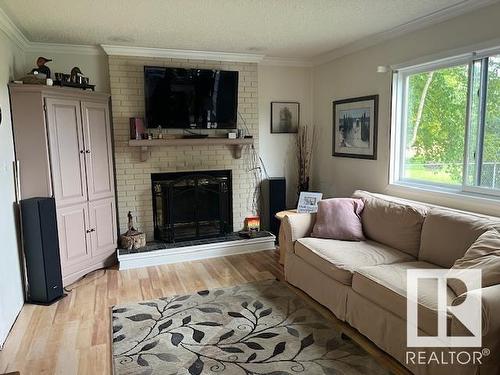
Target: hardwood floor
(72, 336)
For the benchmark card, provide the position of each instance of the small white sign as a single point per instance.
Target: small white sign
(308, 202)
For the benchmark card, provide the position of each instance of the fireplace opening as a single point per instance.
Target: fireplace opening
(192, 205)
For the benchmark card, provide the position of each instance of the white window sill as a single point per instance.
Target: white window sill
(448, 197)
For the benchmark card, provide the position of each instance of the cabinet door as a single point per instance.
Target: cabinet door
(74, 235)
(98, 150)
(66, 151)
(103, 226)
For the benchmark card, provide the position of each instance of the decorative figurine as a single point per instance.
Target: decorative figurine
(42, 68)
(75, 74)
(130, 224)
(132, 239)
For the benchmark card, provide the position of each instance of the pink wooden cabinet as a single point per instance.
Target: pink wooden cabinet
(64, 149)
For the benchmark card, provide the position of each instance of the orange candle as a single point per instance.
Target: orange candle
(252, 223)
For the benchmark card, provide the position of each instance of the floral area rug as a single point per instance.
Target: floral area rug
(252, 329)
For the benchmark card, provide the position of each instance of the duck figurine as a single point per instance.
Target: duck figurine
(41, 67)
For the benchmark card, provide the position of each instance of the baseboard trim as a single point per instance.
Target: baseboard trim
(189, 253)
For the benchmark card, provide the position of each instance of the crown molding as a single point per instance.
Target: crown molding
(77, 49)
(114, 50)
(436, 17)
(287, 61)
(12, 31)
(17, 36)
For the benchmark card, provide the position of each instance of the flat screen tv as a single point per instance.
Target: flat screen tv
(190, 98)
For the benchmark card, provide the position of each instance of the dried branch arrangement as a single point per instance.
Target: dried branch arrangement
(305, 140)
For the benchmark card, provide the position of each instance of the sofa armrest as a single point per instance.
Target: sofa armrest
(295, 226)
(489, 297)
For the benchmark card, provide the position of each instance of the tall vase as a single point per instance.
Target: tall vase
(303, 186)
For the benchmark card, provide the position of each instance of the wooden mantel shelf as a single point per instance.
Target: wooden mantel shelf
(145, 144)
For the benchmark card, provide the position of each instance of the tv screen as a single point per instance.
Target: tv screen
(190, 98)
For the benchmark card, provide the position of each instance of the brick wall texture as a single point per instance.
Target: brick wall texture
(133, 177)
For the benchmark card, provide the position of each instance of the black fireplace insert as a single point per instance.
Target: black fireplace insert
(192, 205)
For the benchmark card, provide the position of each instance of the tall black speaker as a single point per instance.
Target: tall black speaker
(41, 250)
(274, 200)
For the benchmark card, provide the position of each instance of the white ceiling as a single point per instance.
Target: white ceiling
(280, 28)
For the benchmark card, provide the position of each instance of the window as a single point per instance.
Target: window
(483, 166)
(447, 125)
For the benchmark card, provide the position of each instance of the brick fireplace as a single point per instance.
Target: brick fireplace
(133, 177)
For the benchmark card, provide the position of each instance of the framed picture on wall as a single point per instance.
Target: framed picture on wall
(285, 117)
(355, 123)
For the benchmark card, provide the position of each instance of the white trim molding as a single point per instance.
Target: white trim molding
(76, 49)
(287, 61)
(114, 50)
(12, 31)
(196, 252)
(465, 6)
(17, 36)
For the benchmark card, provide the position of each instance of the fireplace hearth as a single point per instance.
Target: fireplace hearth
(191, 205)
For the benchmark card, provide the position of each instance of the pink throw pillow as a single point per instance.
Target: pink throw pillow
(339, 219)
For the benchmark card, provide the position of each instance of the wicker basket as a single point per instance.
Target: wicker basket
(132, 240)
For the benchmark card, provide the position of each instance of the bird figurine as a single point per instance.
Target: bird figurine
(75, 73)
(42, 68)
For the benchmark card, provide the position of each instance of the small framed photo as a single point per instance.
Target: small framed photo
(285, 117)
(355, 123)
(308, 202)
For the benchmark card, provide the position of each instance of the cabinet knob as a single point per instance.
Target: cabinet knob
(89, 230)
(82, 151)
(92, 230)
(87, 151)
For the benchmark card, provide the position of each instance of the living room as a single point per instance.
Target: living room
(263, 195)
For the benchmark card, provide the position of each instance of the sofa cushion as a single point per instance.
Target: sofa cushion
(393, 222)
(484, 254)
(385, 285)
(339, 259)
(446, 235)
(339, 219)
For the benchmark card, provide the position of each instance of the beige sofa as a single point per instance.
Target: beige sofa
(364, 283)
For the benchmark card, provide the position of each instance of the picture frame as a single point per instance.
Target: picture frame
(355, 127)
(285, 117)
(308, 202)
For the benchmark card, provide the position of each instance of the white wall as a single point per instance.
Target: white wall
(92, 65)
(11, 289)
(355, 75)
(278, 151)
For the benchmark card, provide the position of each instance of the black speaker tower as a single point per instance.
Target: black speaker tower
(274, 200)
(41, 250)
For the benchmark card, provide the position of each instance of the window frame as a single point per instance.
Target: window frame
(474, 188)
(400, 77)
